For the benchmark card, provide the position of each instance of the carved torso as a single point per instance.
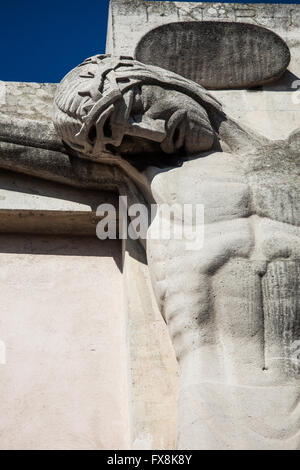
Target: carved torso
(231, 307)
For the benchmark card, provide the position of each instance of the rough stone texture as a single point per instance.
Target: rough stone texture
(131, 19)
(64, 384)
(243, 55)
(111, 106)
(121, 110)
(272, 110)
(27, 100)
(26, 114)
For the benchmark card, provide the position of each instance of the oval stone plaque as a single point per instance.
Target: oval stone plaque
(217, 55)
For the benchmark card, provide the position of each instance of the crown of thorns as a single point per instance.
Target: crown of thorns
(87, 95)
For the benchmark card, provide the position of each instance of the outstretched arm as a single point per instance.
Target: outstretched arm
(30, 133)
(32, 147)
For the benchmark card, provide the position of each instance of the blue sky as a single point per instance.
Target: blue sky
(42, 41)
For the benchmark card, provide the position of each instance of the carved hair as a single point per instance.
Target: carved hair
(87, 94)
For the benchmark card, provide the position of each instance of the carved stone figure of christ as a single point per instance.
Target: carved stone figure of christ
(232, 305)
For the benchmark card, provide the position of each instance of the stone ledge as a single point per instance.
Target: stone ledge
(31, 205)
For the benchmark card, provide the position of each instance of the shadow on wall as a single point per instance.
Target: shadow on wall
(287, 82)
(61, 246)
(21, 183)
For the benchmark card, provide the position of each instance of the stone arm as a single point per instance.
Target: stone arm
(33, 148)
(29, 133)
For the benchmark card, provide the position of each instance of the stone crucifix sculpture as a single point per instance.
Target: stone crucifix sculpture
(232, 306)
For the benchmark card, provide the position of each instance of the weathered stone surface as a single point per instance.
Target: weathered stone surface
(116, 105)
(27, 100)
(272, 110)
(130, 20)
(29, 143)
(119, 107)
(217, 55)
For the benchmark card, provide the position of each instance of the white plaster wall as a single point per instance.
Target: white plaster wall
(64, 384)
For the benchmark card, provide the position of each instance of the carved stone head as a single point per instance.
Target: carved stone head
(120, 106)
